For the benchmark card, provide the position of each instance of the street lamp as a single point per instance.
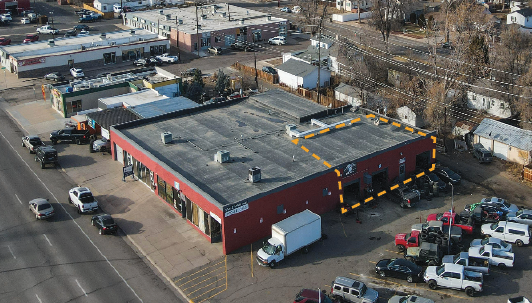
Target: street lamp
(451, 218)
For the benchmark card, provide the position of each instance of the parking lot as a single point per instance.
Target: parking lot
(352, 249)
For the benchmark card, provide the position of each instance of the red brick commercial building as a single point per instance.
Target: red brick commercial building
(203, 161)
(16, 7)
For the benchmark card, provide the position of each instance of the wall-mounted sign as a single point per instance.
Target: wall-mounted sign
(350, 169)
(128, 171)
(31, 61)
(235, 208)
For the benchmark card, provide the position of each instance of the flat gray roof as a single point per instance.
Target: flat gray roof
(289, 104)
(255, 135)
(297, 67)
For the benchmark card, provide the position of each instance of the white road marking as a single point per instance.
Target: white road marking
(18, 199)
(38, 298)
(81, 288)
(68, 214)
(47, 239)
(9, 247)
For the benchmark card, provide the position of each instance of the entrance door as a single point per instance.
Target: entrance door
(402, 172)
(500, 150)
(70, 63)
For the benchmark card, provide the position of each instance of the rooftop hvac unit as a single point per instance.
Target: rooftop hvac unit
(290, 128)
(102, 36)
(254, 174)
(132, 32)
(180, 21)
(222, 156)
(82, 47)
(166, 137)
(113, 43)
(241, 21)
(51, 42)
(161, 12)
(168, 17)
(269, 17)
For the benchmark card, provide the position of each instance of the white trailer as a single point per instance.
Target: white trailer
(290, 235)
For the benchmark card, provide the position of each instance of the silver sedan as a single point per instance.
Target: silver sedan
(41, 208)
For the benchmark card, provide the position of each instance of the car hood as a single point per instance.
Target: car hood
(400, 237)
(513, 208)
(371, 295)
(54, 133)
(486, 228)
(432, 217)
(431, 271)
(447, 259)
(418, 226)
(383, 263)
(475, 242)
(100, 142)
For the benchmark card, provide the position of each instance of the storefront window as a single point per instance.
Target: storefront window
(109, 58)
(73, 106)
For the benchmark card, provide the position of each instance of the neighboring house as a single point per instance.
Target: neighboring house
(408, 116)
(209, 25)
(493, 106)
(347, 93)
(523, 17)
(104, 6)
(505, 141)
(328, 53)
(462, 128)
(352, 6)
(295, 73)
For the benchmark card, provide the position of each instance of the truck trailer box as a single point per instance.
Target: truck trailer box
(297, 231)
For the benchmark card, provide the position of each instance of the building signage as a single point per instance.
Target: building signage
(91, 123)
(235, 208)
(128, 171)
(402, 160)
(350, 169)
(31, 61)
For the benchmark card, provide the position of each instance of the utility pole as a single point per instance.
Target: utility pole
(319, 50)
(256, 73)
(197, 29)
(228, 12)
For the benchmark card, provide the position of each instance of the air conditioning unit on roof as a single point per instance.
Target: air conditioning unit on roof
(222, 156)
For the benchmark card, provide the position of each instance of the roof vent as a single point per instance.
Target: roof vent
(51, 42)
(166, 137)
(254, 174)
(132, 32)
(102, 36)
(168, 17)
(376, 121)
(180, 21)
(161, 12)
(222, 156)
(269, 17)
(241, 21)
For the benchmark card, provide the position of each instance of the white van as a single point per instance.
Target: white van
(508, 231)
(279, 40)
(117, 8)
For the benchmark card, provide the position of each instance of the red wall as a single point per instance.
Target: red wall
(22, 5)
(294, 199)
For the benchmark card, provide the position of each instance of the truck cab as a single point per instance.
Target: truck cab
(451, 219)
(404, 241)
(271, 253)
(454, 276)
(426, 254)
(470, 263)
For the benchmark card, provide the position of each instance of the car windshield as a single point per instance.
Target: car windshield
(86, 198)
(481, 250)
(268, 248)
(43, 206)
(506, 204)
(440, 270)
(484, 241)
(494, 226)
(363, 290)
(456, 258)
(35, 141)
(439, 216)
(518, 213)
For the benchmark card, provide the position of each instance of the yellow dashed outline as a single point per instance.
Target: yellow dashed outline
(338, 173)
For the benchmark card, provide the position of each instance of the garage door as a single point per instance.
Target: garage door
(500, 150)
(486, 143)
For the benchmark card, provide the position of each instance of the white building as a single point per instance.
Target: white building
(105, 6)
(39, 58)
(351, 5)
(408, 116)
(505, 141)
(295, 73)
(491, 105)
(347, 93)
(523, 17)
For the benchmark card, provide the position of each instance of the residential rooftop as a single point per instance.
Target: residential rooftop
(254, 132)
(212, 17)
(504, 133)
(73, 44)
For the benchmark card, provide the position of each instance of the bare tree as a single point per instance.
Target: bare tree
(387, 15)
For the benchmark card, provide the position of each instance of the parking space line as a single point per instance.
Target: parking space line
(83, 290)
(18, 199)
(9, 247)
(38, 298)
(47, 239)
(373, 262)
(395, 252)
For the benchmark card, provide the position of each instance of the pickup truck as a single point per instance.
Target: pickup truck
(31, 142)
(426, 253)
(70, 134)
(47, 29)
(481, 214)
(168, 58)
(436, 229)
(87, 18)
(83, 199)
(454, 276)
(495, 257)
(404, 241)
(454, 221)
(520, 299)
(405, 196)
(470, 263)
(508, 231)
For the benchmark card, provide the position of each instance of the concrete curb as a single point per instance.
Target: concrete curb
(157, 267)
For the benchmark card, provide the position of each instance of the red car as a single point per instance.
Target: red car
(466, 229)
(312, 296)
(5, 41)
(31, 38)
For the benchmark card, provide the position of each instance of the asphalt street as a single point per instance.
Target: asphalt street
(63, 259)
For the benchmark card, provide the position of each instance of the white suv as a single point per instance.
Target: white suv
(279, 40)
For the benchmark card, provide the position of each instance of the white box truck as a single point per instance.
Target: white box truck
(290, 235)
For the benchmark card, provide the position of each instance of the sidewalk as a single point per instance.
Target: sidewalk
(168, 241)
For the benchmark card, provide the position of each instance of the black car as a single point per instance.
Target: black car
(141, 62)
(104, 223)
(46, 155)
(189, 72)
(81, 27)
(242, 46)
(399, 268)
(155, 61)
(448, 175)
(71, 33)
(269, 70)
(55, 76)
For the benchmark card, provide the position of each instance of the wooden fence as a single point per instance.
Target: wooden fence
(527, 173)
(248, 70)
